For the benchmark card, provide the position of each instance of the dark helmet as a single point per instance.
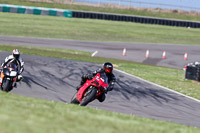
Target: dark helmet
(108, 67)
(16, 54)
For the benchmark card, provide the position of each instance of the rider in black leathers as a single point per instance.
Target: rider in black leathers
(107, 69)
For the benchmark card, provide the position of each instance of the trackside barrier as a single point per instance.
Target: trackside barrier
(137, 19)
(96, 15)
(35, 10)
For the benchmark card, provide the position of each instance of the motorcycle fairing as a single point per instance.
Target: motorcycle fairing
(97, 81)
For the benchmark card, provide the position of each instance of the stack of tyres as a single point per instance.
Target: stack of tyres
(193, 71)
(198, 72)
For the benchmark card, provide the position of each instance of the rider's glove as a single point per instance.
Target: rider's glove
(87, 76)
(90, 76)
(84, 76)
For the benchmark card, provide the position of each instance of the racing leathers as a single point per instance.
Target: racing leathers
(111, 82)
(19, 63)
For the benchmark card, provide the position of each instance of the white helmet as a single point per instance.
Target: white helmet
(16, 54)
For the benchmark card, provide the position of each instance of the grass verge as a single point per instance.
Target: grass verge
(101, 9)
(19, 114)
(94, 30)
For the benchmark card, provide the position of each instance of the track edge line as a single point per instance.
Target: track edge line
(192, 98)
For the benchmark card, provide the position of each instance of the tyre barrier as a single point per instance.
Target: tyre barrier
(35, 10)
(193, 71)
(137, 19)
(96, 15)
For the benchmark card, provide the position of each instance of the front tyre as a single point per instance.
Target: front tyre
(89, 96)
(7, 85)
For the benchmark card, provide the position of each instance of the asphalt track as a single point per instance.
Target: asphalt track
(135, 51)
(55, 79)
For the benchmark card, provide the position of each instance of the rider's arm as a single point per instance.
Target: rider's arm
(21, 70)
(21, 63)
(92, 75)
(7, 59)
(100, 70)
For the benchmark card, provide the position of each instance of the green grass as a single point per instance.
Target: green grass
(19, 114)
(94, 30)
(168, 77)
(100, 9)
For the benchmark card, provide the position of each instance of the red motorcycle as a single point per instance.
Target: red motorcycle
(91, 90)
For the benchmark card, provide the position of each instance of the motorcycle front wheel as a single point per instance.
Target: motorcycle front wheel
(89, 96)
(7, 85)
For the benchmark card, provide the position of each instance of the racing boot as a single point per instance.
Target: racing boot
(15, 85)
(19, 78)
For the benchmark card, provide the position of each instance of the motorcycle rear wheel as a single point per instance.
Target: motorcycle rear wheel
(89, 96)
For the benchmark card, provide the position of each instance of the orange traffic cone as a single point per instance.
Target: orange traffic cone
(124, 52)
(147, 54)
(164, 55)
(185, 56)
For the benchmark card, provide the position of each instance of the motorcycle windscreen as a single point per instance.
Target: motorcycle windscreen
(13, 73)
(13, 66)
(104, 78)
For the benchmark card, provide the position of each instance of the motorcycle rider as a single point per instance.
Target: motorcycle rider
(107, 69)
(17, 60)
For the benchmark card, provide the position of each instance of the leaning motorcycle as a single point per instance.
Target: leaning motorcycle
(8, 78)
(91, 90)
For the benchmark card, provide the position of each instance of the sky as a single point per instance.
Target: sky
(180, 4)
(186, 3)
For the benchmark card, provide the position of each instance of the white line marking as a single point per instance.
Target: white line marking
(158, 85)
(94, 53)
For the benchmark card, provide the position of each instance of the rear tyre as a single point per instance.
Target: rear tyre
(7, 85)
(89, 96)
(74, 100)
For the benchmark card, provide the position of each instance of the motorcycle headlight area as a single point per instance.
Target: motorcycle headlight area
(13, 73)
